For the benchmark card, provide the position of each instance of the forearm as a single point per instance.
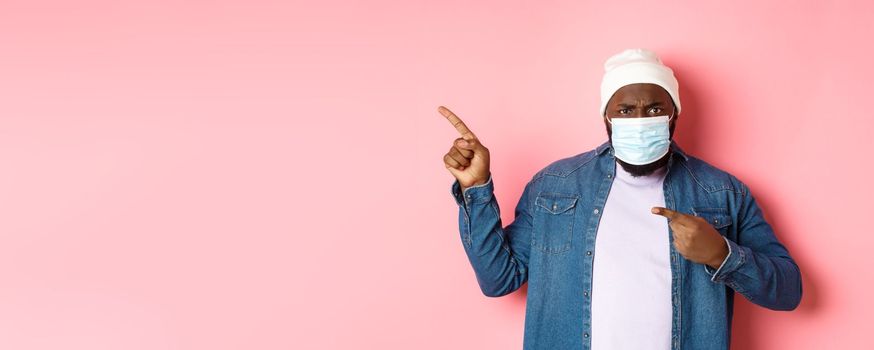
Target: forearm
(773, 282)
(485, 241)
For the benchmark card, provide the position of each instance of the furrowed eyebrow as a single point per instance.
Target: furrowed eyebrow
(629, 105)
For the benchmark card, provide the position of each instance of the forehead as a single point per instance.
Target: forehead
(642, 92)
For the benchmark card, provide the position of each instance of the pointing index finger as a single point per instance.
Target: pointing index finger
(456, 121)
(670, 214)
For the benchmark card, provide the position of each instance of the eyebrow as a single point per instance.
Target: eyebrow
(627, 105)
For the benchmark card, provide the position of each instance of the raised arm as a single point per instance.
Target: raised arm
(498, 255)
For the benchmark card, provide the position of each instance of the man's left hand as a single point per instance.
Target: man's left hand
(695, 238)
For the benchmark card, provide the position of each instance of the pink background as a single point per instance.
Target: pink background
(268, 175)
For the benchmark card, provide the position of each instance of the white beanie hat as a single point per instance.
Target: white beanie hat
(634, 66)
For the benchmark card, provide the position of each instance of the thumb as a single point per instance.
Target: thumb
(472, 144)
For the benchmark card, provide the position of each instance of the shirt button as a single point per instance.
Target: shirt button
(585, 293)
(595, 211)
(609, 175)
(585, 335)
(589, 252)
(554, 207)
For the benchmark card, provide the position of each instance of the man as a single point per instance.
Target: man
(632, 245)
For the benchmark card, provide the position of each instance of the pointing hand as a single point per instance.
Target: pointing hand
(467, 159)
(695, 238)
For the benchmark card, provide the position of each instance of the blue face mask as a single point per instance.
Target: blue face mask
(640, 141)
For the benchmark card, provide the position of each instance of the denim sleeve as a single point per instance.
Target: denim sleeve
(499, 255)
(727, 256)
(758, 266)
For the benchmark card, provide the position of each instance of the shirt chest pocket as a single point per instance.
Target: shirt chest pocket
(719, 218)
(554, 222)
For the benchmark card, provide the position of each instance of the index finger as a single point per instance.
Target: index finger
(456, 121)
(670, 214)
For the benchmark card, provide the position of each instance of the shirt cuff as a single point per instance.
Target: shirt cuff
(481, 193)
(732, 261)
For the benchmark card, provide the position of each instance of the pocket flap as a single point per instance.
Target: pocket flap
(718, 217)
(556, 203)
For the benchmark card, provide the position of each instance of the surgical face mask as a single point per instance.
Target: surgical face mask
(640, 141)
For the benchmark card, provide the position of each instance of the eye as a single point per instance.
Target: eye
(655, 110)
(624, 111)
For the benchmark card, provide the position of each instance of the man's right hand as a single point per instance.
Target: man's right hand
(467, 159)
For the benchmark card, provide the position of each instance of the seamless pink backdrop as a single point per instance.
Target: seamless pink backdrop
(268, 175)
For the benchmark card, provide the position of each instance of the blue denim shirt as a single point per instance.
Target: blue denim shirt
(551, 245)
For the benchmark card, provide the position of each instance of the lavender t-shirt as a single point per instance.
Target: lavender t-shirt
(631, 280)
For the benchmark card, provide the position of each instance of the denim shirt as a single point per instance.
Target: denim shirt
(551, 245)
